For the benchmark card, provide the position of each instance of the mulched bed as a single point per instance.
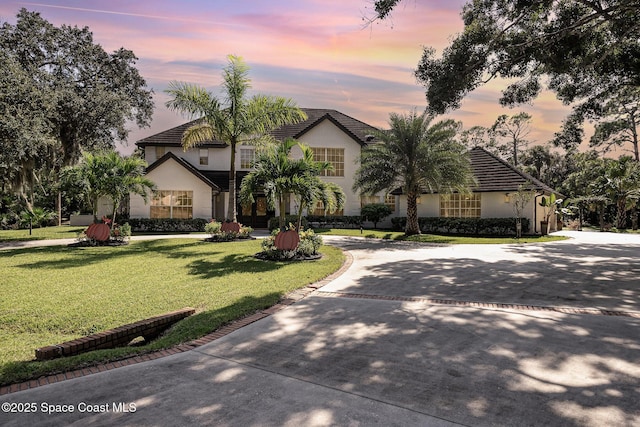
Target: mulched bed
(265, 256)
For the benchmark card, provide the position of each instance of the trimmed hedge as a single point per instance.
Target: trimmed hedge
(167, 225)
(465, 226)
(344, 221)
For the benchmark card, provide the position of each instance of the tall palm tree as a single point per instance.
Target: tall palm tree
(278, 175)
(417, 157)
(236, 119)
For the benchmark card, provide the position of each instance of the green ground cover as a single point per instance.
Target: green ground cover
(55, 294)
(434, 238)
(45, 233)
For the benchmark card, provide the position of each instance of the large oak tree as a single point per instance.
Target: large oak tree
(71, 95)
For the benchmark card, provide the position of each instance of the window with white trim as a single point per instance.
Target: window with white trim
(460, 205)
(172, 204)
(335, 156)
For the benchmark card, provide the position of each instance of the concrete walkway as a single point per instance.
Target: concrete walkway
(477, 335)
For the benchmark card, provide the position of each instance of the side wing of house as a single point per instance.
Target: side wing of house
(181, 192)
(497, 181)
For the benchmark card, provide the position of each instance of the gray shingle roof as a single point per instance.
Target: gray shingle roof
(357, 130)
(173, 137)
(494, 174)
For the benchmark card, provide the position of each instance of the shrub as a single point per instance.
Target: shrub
(41, 217)
(308, 247)
(121, 233)
(375, 213)
(213, 227)
(168, 225)
(465, 226)
(343, 221)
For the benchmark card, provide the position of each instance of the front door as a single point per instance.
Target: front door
(257, 215)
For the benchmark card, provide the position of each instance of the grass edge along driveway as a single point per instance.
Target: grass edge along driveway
(55, 294)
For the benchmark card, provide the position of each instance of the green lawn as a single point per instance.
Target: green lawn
(434, 238)
(54, 294)
(62, 232)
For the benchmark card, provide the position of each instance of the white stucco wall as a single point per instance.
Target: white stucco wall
(172, 176)
(493, 205)
(328, 135)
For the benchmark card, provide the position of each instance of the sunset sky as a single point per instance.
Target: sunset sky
(318, 52)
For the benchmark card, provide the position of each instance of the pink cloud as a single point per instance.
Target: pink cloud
(318, 52)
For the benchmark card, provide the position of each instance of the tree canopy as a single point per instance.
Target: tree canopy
(234, 119)
(572, 42)
(60, 94)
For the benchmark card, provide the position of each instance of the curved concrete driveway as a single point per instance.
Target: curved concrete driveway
(409, 335)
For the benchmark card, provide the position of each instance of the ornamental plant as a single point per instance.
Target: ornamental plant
(214, 229)
(308, 248)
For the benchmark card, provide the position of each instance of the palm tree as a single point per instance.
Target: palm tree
(278, 175)
(110, 175)
(622, 186)
(417, 158)
(234, 120)
(126, 176)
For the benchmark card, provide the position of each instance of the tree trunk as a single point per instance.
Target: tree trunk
(281, 215)
(621, 217)
(232, 211)
(413, 226)
(59, 208)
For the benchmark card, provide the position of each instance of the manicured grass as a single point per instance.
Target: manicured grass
(45, 233)
(434, 238)
(55, 294)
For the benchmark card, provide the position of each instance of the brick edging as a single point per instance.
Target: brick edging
(476, 304)
(287, 300)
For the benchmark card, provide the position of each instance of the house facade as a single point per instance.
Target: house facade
(195, 183)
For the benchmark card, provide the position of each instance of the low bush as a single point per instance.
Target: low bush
(167, 225)
(214, 229)
(343, 221)
(375, 212)
(308, 247)
(465, 226)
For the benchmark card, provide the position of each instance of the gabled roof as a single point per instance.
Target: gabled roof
(173, 137)
(188, 166)
(357, 130)
(494, 174)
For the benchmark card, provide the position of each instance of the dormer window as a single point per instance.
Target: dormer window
(204, 156)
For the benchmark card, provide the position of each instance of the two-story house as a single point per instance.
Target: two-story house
(195, 183)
